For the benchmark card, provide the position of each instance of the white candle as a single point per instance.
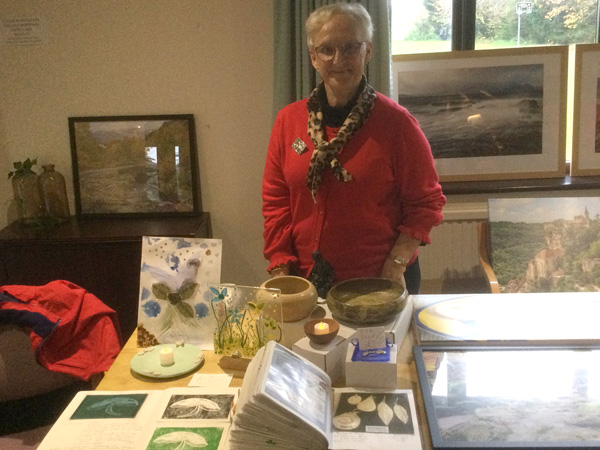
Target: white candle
(321, 328)
(167, 357)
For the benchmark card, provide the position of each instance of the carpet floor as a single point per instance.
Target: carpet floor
(24, 440)
(26, 421)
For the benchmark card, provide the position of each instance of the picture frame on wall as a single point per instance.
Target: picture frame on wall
(489, 114)
(484, 397)
(135, 166)
(586, 111)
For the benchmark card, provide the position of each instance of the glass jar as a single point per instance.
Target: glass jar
(52, 189)
(27, 198)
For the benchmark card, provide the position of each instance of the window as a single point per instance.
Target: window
(420, 26)
(423, 26)
(510, 23)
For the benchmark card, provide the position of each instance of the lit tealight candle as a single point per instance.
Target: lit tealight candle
(167, 357)
(321, 328)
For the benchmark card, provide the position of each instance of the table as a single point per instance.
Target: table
(121, 378)
(101, 255)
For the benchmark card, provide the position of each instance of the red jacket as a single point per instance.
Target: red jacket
(71, 330)
(394, 190)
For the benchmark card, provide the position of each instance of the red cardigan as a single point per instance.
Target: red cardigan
(394, 190)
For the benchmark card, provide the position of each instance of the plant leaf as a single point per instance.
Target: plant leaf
(401, 413)
(384, 412)
(161, 291)
(187, 289)
(367, 405)
(185, 310)
(174, 298)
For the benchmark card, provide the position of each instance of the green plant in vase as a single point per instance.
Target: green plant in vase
(27, 197)
(22, 168)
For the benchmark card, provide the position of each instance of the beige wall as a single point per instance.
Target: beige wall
(211, 58)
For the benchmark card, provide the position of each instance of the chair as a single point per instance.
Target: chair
(484, 256)
(31, 397)
(541, 244)
(76, 338)
(20, 374)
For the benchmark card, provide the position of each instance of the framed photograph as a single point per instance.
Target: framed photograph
(489, 114)
(135, 165)
(586, 111)
(481, 397)
(545, 244)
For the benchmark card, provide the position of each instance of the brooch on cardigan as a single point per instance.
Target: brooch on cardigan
(299, 146)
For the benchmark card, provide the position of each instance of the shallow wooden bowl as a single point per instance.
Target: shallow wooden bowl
(309, 330)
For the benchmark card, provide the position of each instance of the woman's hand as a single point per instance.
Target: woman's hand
(393, 271)
(280, 270)
(402, 252)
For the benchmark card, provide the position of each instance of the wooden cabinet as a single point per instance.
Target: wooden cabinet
(101, 255)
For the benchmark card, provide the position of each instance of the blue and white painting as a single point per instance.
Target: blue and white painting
(174, 298)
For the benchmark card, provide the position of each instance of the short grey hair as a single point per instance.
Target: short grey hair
(355, 11)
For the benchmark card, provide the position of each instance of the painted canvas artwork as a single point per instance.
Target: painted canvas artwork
(175, 300)
(545, 244)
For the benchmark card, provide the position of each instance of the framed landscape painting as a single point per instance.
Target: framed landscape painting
(483, 397)
(586, 111)
(489, 114)
(135, 165)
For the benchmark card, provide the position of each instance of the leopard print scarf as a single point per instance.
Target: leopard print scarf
(325, 152)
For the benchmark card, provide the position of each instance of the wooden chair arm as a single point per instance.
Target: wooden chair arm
(484, 257)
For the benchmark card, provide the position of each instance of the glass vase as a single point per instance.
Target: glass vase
(27, 198)
(52, 189)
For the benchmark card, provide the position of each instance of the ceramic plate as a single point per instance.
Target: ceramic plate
(146, 362)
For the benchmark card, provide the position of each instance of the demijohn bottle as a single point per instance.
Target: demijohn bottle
(53, 191)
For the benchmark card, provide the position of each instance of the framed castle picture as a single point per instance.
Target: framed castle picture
(489, 114)
(546, 244)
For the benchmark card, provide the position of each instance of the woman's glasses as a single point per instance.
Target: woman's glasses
(347, 50)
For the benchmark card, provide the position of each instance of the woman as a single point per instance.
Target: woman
(348, 173)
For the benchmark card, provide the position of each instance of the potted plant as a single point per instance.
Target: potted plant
(27, 197)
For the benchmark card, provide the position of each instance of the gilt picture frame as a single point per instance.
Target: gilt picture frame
(489, 114)
(135, 166)
(493, 397)
(586, 111)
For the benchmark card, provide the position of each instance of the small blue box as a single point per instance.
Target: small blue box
(372, 374)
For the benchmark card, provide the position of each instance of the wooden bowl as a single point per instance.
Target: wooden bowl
(367, 300)
(298, 296)
(309, 330)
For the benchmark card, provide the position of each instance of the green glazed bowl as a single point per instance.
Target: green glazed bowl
(367, 300)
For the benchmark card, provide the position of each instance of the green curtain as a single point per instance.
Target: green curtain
(295, 77)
